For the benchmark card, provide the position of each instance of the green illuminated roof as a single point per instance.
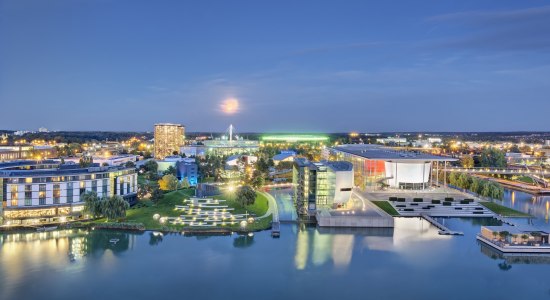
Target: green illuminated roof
(295, 138)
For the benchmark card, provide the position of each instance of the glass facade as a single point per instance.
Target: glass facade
(14, 195)
(28, 194)
(69, 192)
(105, 186)
(42, 194)
(56, 194)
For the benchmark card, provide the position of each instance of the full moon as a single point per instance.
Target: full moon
(230, 106)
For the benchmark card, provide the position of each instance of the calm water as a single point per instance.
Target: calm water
(410, 262)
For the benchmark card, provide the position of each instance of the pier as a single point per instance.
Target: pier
(443, 230)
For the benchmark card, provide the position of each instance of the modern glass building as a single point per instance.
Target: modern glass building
(34, 192)
(377, 166)
(321, 184)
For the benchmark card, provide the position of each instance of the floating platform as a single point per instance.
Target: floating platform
(545, 248)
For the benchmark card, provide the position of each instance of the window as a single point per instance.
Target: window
(105, 186)
(56, 194)
(28, 195)
(82, 187)
(69, 192)
(41, 194)
(14, 195)
(94, 186)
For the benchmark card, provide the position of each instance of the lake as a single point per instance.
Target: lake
(410, 261)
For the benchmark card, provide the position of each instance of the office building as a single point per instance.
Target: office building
(325, 184)
(185, 168)
(34, 192)
(168, 139)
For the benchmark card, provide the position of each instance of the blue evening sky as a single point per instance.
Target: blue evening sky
(293, 65)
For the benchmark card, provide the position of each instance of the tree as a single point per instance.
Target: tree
(114, 207)
(463, 181)
(467, 161)
(493, 158)
(156, 193)
(171, 170)
(185, 183)
(168, 183)
(475, 184)
(130, 164)
(246, 195)
(453, 178)
(151, 166)
(85, 161)
(257, 179)
(92, 204)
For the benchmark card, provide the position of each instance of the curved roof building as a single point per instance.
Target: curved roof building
(376, 166)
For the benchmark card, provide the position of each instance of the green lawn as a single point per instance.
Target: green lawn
(387, 207)
(525, 179)
(503, 210)
(143, 211)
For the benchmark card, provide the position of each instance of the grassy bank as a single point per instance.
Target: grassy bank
(387, 207)
(503, 210)
(145, 209)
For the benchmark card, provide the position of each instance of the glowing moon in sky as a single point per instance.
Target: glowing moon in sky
(230, 106)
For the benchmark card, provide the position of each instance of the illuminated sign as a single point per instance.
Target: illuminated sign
(295, 138)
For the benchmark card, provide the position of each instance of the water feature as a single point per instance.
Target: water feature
(410, 261)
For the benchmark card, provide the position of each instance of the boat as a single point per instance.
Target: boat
(114, 241)
(44, 229)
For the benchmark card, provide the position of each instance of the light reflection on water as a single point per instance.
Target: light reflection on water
(305, 262)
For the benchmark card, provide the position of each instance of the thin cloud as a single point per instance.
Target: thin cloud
(331, 48)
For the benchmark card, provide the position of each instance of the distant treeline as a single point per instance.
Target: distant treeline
(86, 136)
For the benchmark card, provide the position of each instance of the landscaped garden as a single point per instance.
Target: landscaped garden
(503, 210)
(387, 207)
(145, 210)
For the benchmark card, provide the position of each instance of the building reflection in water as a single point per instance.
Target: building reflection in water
(320, 245)
(61, 250)
(512, 259)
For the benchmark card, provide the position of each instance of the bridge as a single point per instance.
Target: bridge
(536, 174)
(507, 171)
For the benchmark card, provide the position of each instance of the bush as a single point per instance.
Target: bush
(436, 201)
(447, 203)
(418, 200)
(400, 199)
(127, 226)
(393, 198)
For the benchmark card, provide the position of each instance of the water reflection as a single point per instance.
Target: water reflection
(319, 246)
(514, 258)
(243, 241)
(538, 206)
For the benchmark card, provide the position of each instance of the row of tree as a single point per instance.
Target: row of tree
(111, 208)
(476, 185)
(489, 158)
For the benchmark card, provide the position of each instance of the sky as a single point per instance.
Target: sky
(283, 66)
